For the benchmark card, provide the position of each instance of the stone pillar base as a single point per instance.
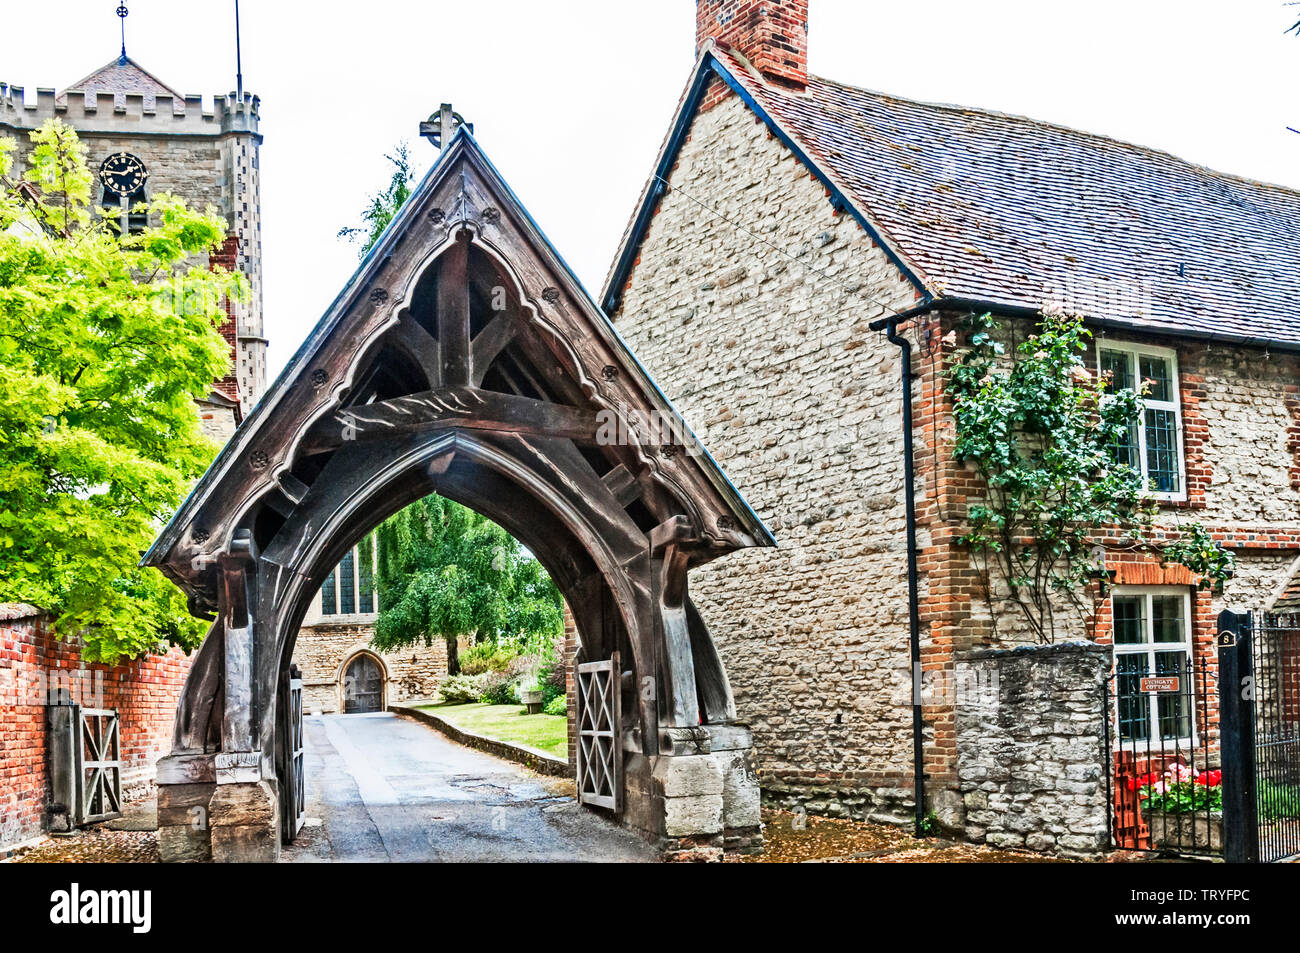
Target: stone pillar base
(245, 823)
(699, 797)
(186, 783)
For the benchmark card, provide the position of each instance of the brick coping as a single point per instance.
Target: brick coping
(9, 611)
(539, 761)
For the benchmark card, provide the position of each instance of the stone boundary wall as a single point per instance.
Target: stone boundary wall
(539, 761)
(144, 692)
(1030, 759)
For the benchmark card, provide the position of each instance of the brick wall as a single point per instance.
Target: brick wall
(144, 692)
(771, 34)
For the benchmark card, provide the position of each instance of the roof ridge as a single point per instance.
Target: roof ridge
(1044, 124)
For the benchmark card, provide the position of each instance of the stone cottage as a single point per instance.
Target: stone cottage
(791, 227)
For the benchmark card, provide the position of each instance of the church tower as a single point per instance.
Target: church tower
(142, 138)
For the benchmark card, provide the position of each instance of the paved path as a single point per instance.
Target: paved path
(382, 788)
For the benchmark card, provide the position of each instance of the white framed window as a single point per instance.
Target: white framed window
(1154, 446)
(1152, 637)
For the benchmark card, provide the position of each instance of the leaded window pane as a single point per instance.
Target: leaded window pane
(1116, 363)
(1162, 450)
(1134, 714)
(347, 585)
(1157, 371)
(1174, 707)
(328, 604)
(1130, 628)
(1167, 618)
(367, 578)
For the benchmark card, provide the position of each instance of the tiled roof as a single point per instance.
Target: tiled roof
(1015, 212)
(121, 76)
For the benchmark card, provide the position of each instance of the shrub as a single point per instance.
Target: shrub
(489, 657)
(458, 689)
(499, 688)
(559, 705)
(551, 675)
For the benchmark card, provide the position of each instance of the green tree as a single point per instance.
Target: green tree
(445, 571)
(384, 204)
(1042, 433)
(105, 343)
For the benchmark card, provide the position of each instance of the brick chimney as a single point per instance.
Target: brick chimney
(771, 34)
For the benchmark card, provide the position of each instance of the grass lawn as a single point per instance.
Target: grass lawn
(549, 733)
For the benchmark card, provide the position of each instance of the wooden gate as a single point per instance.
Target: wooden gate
(86, 762)
(294, 802)
(600, 739)
(363, 686)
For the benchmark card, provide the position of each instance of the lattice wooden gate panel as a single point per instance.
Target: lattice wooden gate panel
(294, 807)
(600, 739)
(99, 787)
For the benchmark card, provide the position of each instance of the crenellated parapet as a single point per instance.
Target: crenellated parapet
(141, 114)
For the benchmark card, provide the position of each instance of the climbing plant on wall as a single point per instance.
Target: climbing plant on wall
(1041, 431)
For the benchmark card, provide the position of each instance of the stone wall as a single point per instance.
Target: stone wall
(144, 692)
(758, 332)
(770, 361)
(322, 649)
(1030, 759)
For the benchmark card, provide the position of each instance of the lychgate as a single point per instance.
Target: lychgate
(462, 358)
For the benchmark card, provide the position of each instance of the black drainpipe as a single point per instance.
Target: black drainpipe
(890, 326)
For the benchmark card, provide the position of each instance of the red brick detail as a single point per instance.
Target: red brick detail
(1196, 436)
(716, 92)
(571, 682)
(228, 257)
(144, 692)
(771, 34)
(1151, 573)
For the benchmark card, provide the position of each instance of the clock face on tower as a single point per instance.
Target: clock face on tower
(123, 174)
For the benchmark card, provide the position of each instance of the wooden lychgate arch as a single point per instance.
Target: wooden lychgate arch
(462, 358)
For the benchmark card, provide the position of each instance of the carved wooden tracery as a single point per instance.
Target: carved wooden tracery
(463, 358)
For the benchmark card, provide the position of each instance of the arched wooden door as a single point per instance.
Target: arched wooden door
(363, 686)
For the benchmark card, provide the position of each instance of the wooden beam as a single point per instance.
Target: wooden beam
(489, 343)
(450, 407)
(420, 345)
(623, 484)
(453, 313)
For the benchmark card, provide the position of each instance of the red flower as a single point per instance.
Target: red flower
(1210, 779)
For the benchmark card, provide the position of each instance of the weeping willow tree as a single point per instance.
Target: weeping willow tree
(446, 572)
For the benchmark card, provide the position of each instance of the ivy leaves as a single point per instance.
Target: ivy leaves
(1041, 431)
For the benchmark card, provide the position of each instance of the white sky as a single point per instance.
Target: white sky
(571, 98)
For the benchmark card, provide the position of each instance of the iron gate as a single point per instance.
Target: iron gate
(600, 740)
(1259, 662)
(1163, 782)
